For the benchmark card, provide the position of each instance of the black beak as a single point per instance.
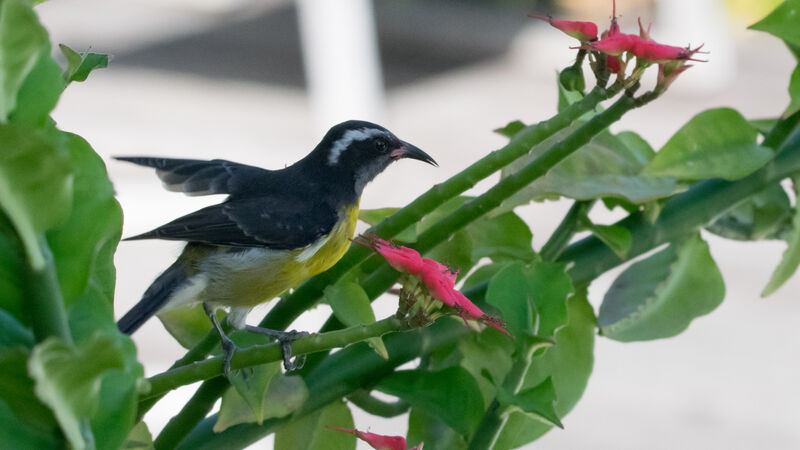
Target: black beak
(412, 152)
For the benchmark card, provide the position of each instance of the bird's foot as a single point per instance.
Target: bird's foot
(228, 350)
(285, 338)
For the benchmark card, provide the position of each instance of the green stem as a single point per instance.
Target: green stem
(341, 374)
(377, 407)
(566, 229)
(191, 414)
(260, 354)
(44, 303)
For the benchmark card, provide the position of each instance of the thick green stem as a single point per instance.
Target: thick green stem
(44, 303)
(566, 229)
(260, 354)
(342, 373)
(191, 414)
(377, 407)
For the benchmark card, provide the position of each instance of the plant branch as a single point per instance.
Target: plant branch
(566, 229)
(377, 407)
(260, 354)
(191, 414)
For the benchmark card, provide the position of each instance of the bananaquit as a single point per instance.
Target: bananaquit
(275, 229)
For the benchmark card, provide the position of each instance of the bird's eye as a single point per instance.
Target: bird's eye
(381, 145)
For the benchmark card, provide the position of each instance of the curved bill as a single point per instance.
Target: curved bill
(413, 152)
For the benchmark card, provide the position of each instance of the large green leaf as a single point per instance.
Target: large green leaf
(16, 390)
(16, 434)
(568, 363)
(537, 402)
(13, 333)
(310, 432)
(425, 427)
(765, 215)
(188, 325)
(39, 93)
(83, 246)
(659, 296)
(718, 143)
(261, 393)
(782, 22)
(608, 166)
(508, 291)
(789, 261)
(550, 286)
(22, 42)
(352, 307)
(451, 394)
(35, 183)
(139, 438)
(505, 236)
(68, 380)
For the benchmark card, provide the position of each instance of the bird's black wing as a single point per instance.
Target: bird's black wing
(201, 177)
(273, 222)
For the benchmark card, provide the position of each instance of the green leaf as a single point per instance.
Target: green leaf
(487, 356)
(427, 428)
(508, 292)
(549, 286)
(376, 216)
(568, 363)
(511, 129)
(782, 22)
(506, 236)
(35, 183)
(80, 65)
(139, 438)
(309, 432)
(352, 307)
(794, 93)
(14, 433)
(260, 394)
(765, 215)
(789, 261)
(188, 325)
(608, 166)
(764, 126)
(451, 394)
(12, 275)
(482, 275)
(567, 97)
(39, 93)
(22, 42)
(537, 402)
(659, 296)
(13, 333)
(617, 238)
(16, 390)
(718, 143)
(68, 380)
(83, 246)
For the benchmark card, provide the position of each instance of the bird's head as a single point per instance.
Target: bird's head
(359, 151)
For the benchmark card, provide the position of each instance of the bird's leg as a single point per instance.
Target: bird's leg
(285, 338)
(228, 346)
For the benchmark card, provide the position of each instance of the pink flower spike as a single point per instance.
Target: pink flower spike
(582, 31)
(613, 29)
(377, 441)
(654, 52)
(615, 45)
(644, 34)
(402, 259)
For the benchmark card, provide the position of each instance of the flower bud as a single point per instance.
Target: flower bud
(582, 31)
(572, 79)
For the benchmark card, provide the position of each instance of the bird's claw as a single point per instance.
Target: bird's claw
(228, 350)
(285, 339)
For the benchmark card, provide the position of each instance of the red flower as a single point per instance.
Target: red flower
(653, 52)
(615, 45)
(613, 63)
(377, 441)
(582, 31)
(438, 278)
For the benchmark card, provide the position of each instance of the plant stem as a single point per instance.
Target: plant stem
(377, 407)
(342, 373)
(260, 354)
(566, 229)
(191, 414)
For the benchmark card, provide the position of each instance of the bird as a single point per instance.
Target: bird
(275, 229)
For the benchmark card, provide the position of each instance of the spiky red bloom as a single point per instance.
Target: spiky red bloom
(582, 31)
(378, 441)
(654, 52)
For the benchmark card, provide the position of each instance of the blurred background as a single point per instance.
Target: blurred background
(259, 81)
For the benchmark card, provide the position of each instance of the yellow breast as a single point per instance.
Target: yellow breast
(258, 275)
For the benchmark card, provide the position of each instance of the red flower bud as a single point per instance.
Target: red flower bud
(615, 45)
(402, 259)
(582, 31)
(651, 51)
(613, 63)
(378, 441)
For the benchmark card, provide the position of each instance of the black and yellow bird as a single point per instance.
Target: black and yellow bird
(275, 229)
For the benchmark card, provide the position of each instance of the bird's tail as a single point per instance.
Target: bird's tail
(153, 299)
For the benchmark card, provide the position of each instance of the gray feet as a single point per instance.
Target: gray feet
(285, 338)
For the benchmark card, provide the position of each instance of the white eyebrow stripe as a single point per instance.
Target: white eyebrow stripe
(347, 138)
